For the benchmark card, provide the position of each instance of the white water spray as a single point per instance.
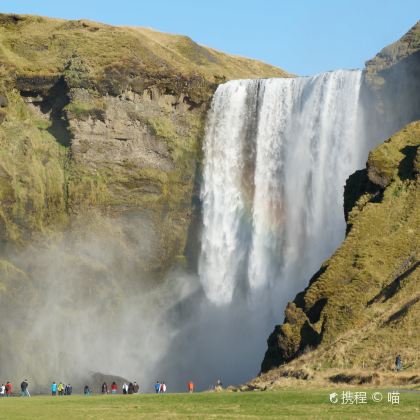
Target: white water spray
(277, 155)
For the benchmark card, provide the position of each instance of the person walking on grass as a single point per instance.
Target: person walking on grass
(60, 389)
(114, 388)
(190, 387)
(104, 388)
(2, 390)
(130, 388)
(136, 387)
(24, 392)
(53, 389)
(157, 387)
(8, 389)
(68, 389)
(125, 388)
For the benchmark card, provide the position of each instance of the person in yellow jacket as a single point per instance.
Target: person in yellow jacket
(60, 388)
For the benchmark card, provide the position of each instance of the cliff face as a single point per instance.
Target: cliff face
(104, 122)
(392, 84)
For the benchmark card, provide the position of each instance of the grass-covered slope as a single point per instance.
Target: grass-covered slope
(38, 45)
(363, 306)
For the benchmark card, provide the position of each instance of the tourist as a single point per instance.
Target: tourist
(114, 388)
(157, 387)
(130, 388)
(125, 388)
(104, 388)
(53, 389)
(163, 387)
(68, 389)
(2, 390)
(190, 386)
(136, 387)
(86, 390)
(8, 389)
(24, 392)
(398, 363)
(60, 388)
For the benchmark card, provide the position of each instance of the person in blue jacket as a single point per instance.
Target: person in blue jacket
(157, 387)
(53, 389)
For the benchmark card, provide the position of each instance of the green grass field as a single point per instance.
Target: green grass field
(290, 403)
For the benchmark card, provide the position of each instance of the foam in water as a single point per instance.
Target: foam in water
(277, 155)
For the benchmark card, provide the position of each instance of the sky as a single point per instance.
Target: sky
(304, 37)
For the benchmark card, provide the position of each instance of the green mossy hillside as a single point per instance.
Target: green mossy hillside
(363, 305)
(115, 58)
(95, 117)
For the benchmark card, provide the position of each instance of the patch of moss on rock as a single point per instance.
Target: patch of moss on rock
(32, 178)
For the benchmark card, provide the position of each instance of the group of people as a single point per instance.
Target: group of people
(131, 388)
(160, 387)
(61, 389)
(6, 389)
(66, 389)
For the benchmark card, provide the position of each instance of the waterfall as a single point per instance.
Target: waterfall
(277, 155)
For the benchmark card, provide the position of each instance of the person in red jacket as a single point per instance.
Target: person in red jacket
(114, 388)
(9, 389)
(190, 386)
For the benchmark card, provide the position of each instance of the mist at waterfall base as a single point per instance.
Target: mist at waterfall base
(277, 154)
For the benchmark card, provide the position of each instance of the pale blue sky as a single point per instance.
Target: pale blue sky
(301, 36)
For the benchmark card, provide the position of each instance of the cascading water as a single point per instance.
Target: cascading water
(277, 155)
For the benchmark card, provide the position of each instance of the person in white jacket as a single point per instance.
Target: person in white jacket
(125, 388)
(2, 390)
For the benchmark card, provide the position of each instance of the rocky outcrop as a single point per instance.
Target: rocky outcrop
(392, 85)
(364, 299)
(107, 120)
